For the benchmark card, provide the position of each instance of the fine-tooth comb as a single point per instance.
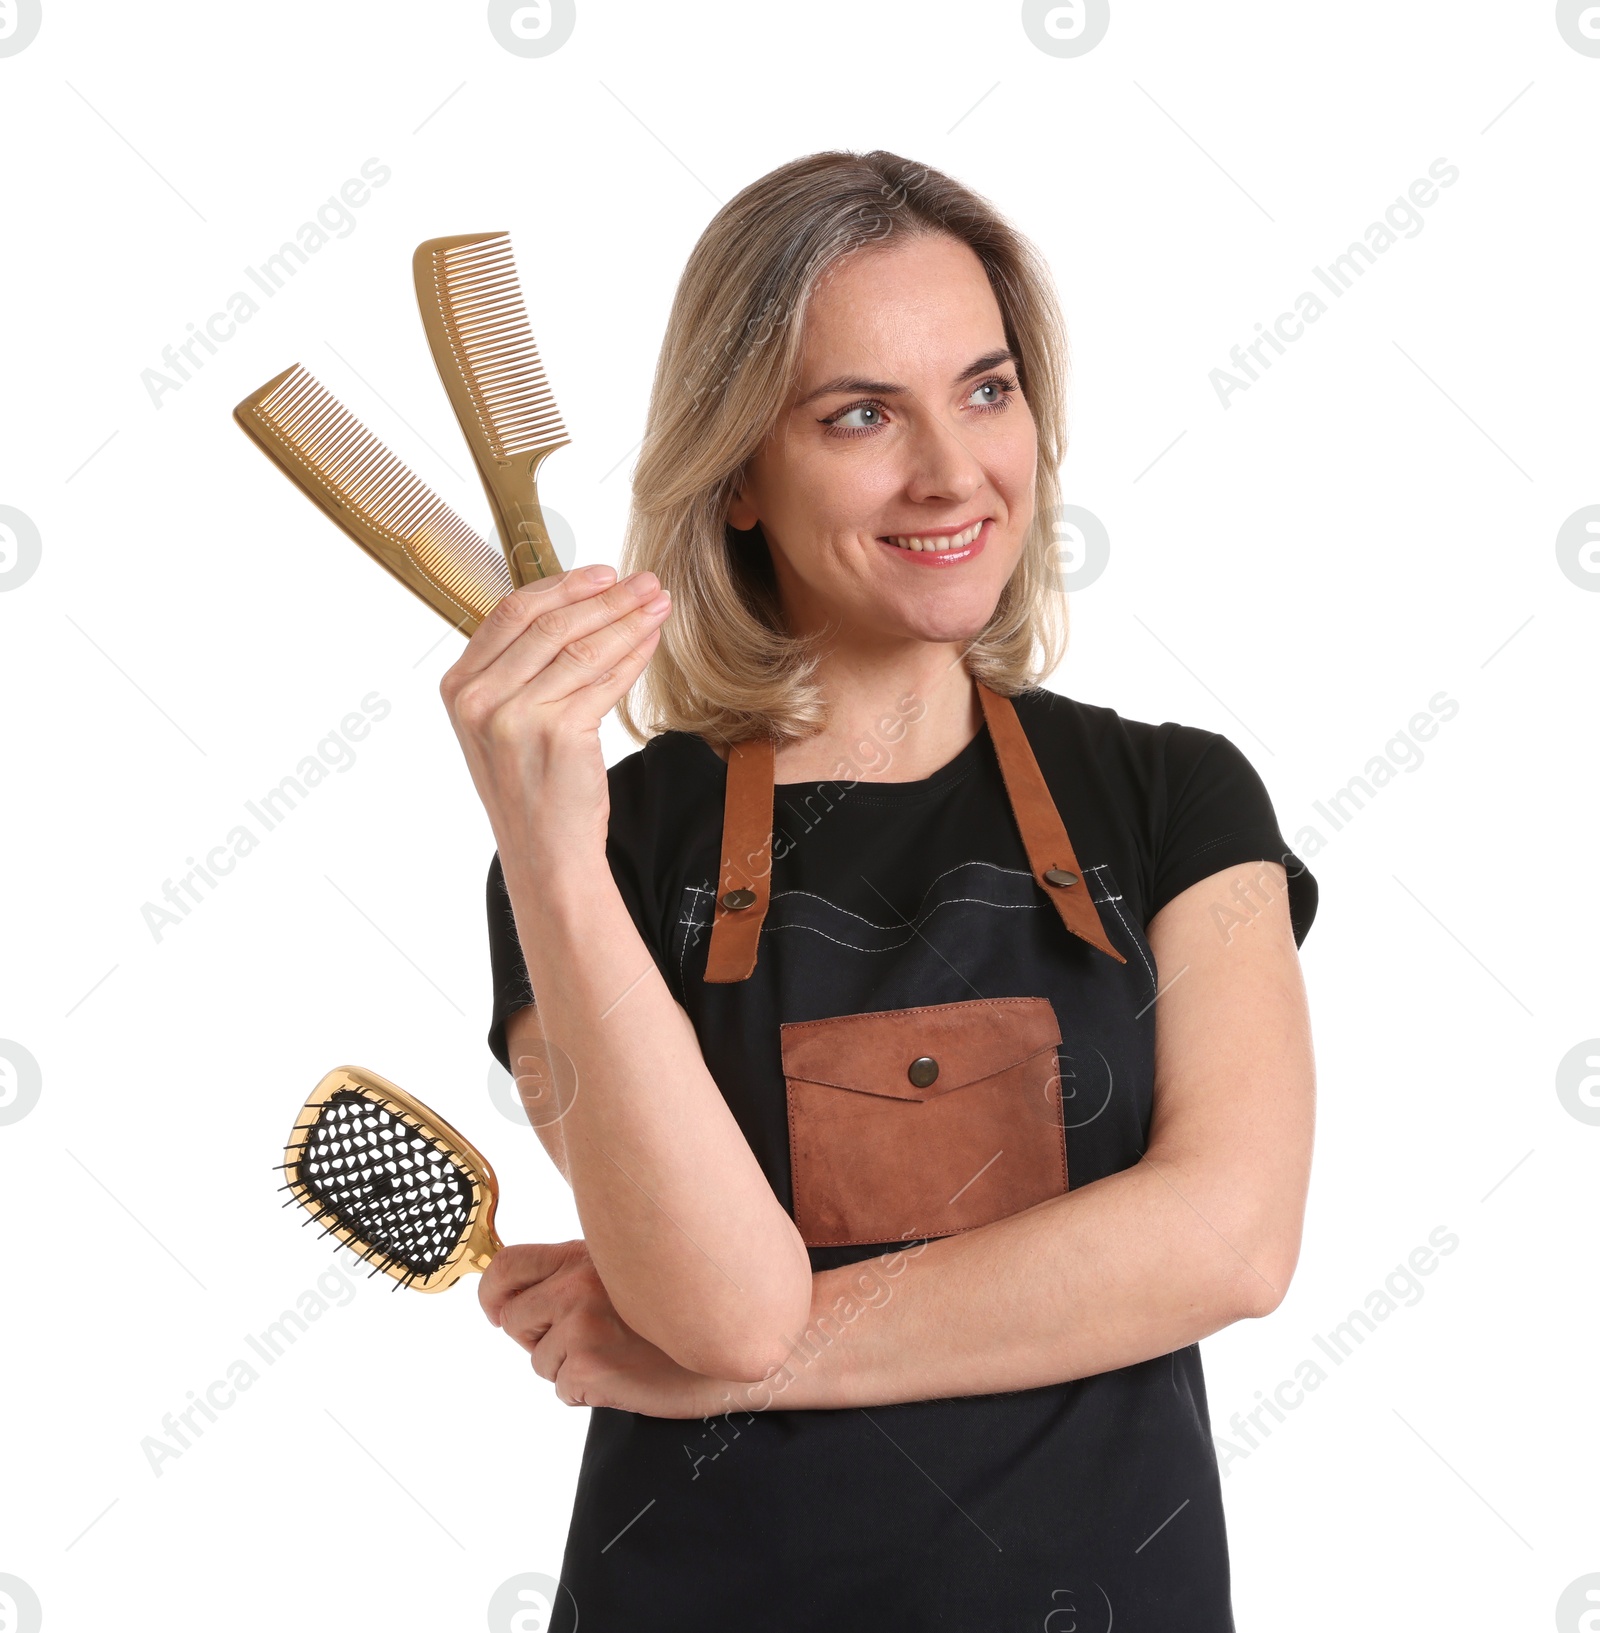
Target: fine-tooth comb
(375, 497)
(477, 328)
(392, 1180)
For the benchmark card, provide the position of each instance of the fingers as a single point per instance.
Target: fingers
(569, 1391)
(548, 1349)
(602, 691)
(529, 1315)
(566, 648)
(545, 643)
(512, 614)
(568, 1356)
(575, 651)
(529, 629)
(515, 1269)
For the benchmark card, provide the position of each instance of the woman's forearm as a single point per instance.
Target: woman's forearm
(1133, 1266)
(1202, 1231)
(698, 1255)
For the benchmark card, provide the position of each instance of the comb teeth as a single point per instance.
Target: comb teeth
(360, 473)
(482, 308)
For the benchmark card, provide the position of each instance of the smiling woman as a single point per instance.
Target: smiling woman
(848, 322)
(910, 984)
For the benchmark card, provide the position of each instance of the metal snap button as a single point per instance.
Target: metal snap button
(1059, 876)
(923, 1070)
(736, 899)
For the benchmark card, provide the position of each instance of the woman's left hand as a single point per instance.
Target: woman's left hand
(549, 1298)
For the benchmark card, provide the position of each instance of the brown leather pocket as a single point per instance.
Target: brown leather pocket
(886, 1147)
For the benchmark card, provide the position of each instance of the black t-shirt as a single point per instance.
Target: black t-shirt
(982, 1511)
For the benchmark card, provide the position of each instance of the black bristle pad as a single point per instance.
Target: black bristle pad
(382, 1179)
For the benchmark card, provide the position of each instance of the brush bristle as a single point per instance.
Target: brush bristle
(481, 302)
(391, 1189)
(361, 473)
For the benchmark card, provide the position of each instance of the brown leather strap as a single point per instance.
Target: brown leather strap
(746, 875)
(1044, 834)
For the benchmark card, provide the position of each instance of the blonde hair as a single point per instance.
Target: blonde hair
(725, 667)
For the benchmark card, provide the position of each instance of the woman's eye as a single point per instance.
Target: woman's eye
(991, 393)
(863, 417)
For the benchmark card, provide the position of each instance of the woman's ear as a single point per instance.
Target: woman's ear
(741, 512)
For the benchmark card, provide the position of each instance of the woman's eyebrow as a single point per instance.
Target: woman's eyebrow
(886, 388)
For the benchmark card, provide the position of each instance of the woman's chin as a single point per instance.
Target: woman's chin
(950, 628)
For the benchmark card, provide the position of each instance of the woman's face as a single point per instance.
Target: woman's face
(908, 424)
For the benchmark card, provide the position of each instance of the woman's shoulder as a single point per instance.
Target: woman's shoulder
(669, 759)
(1144, 752)
(1188, 800)
(668, 783)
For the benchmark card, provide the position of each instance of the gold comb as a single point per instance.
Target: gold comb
(392, 1180)
(388, 510)
(477, 327)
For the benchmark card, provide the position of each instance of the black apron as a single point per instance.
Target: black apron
(922, 1121)
(927, 1090)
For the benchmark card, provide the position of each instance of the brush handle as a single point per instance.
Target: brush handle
(485, 1244)
(483, 1240)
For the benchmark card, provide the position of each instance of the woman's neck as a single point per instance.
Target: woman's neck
(879, 730)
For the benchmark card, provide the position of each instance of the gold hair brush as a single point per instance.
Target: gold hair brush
(392, 1180)
(389, 511)
(477, 329)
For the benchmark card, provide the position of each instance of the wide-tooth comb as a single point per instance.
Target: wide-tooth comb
(477, 327)
(392, 1180)
(385, 507)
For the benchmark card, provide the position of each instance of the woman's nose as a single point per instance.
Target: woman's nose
(941, 466)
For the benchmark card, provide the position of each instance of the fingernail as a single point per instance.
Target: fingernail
(595, 575)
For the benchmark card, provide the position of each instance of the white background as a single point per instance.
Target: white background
(1370, 524)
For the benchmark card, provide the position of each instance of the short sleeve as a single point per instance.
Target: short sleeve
(630, 849)
(508, 969)
(1218, 815)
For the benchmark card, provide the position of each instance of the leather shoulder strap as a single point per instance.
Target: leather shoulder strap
(744, 884)
(745, 881)
(1044, 834)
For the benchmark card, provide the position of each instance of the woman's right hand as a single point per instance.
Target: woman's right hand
(527, 696)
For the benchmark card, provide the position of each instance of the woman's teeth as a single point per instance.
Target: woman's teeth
(950, 541)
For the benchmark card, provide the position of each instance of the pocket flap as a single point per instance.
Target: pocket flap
(872, 1053)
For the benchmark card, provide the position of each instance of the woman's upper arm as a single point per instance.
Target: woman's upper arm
(1234, 1075)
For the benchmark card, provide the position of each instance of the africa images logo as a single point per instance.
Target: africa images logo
(19, 22)
(19, 1604)
(20, 547)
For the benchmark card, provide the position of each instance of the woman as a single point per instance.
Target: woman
(862, 849)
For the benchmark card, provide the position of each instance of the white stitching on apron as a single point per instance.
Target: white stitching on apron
(948, 901)
(1116, 902)
(1017, 873)
(693, 923)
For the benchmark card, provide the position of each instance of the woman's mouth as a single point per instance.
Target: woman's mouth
(945, 547)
